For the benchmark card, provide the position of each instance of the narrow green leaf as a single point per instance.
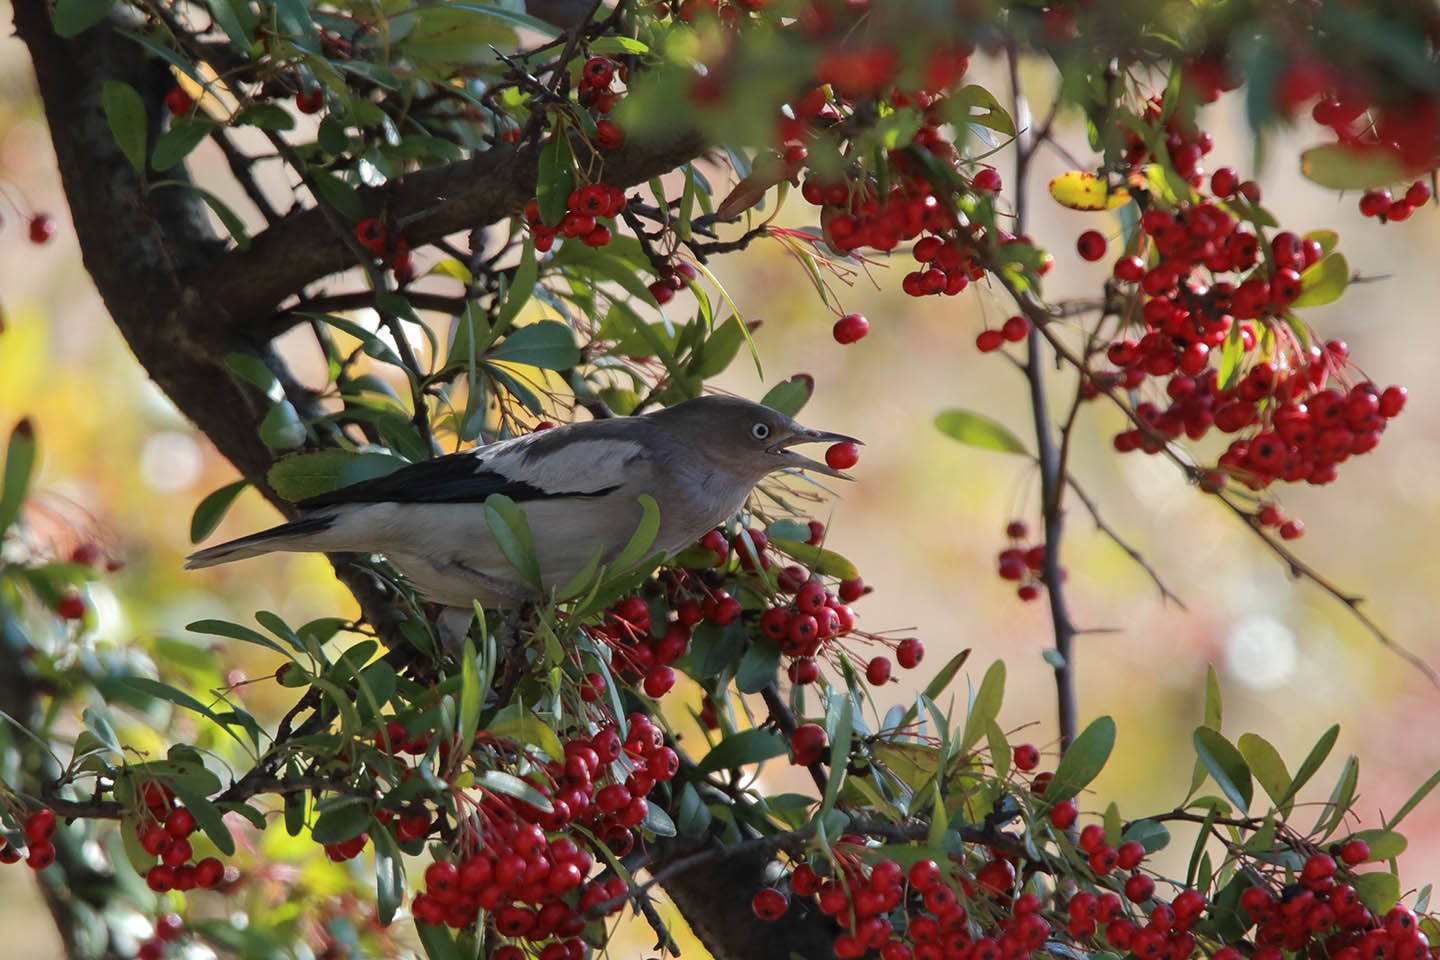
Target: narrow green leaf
(1267, 766)
(741, 749)
(207, 815)
(1311, 763)
(72, 17)
(1340, 166)
(840, 728)
(1225, 765)
(1341, 797)
(1150, 834)
(510, 17)
(281, 428)
(212, 510)
(266, 116)
(498, 781)
(234, 631)
(19, 467)
(1083, 762)
(823, 561)
(436, 938)
(1230, 356)
(338, 194)
(657, 821)
(757, 668)
(1400, 814)
(692, 816)
(527, 271)
(180, 698)
(389, 876)
(937, 684)
(1323, 281)
(471, 697)
(511, 530)
(125, 113)
(986, 706)
(978, 431)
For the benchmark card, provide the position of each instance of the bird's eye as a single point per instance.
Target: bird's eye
(760, 431)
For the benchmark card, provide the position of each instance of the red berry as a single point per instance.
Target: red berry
(1130, 855)
(40, 825)
(1026, 757)
(310, 101)
(1091, 245)
(160, 878)
(210, 871)
(41, 855)
(989, 340)
(808, 744)
(1375, 202)
(661, 291)
(178, 102)
(1224, 182)
(1291, 530)
(1092, 838)
(180, 822)
(155, 840)
(1419, 194)
(769, 904)
(1355, 851)
(850, 328)
(986, 180)
(910, 652)
(1015, 329)
(843, 455)
(878, 671)
(1139, 888)
(659, 681)
(924, 874)
(1392, 401)
(168, 926)
(1129, 269)
(71, 607)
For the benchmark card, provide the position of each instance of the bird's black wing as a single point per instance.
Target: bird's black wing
(455, 478)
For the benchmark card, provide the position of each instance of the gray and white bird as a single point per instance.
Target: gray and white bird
(578, 485)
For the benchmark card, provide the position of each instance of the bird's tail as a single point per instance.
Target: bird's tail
(295, 535)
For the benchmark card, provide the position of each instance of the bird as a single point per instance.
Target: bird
(578, 485)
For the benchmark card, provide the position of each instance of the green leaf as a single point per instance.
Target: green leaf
(1230, 357)
(657, 821)
(547, 344)
(741, 749)
(692, 816)
(1378, 891)
(303, 475)
(1341, 166)
(266, 116)
(175, 144)
(471, 697)
(1323, 281)
(72, 17)
(789, 396)
(1083, 761)
(556, 178)
(125, 113)
(1405, 808)
(338, 194)
(511, 530)
(1341, 797)
(226, 216)
(1226, 766)
(513, 18)
(180, 698)
(638, 547)
(1310, 764)
(19, 467)
(207, 815)
(719, 350)
(281, 428)
(986, 706)
(1328, 240)
(823, 561)
(498, 781)
(979, 431)
(1267, 766)
(992, 115)
(529, 729)
(1383, 844)
(937, 684)
(521, 287)
(1150, 834)
(212, 510)
(757, 668)
(344, 821)
(840, 728)
(389, 876)
(234, 631)
(438, 942)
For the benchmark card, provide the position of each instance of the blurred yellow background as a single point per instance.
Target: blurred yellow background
(925, 519)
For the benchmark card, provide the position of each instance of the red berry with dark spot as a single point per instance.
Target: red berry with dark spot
(769, 904)
(1355, 851)
(1091, 245)
(1139, 888)
(40, 855)
(910, 652)
(808, 744)
(1026, 757)
(40, 825)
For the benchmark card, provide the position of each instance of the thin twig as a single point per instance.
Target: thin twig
(1165, 592)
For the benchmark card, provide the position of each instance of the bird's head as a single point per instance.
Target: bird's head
(749, 438)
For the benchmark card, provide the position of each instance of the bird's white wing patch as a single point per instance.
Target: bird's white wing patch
(578, 466)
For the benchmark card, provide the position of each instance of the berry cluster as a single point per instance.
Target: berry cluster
(1185, 145)
(168, 928)
(374, 235)
(673, 276)
(163, 831)
(527, 867)
(1208, 301)
(1022, 564)
(1379, 203)
(39, 852)
(586, 207)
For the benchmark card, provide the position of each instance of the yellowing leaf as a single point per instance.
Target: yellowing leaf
(1085, 191)
(1346, 166)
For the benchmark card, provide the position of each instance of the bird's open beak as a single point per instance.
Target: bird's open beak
(789, 458)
